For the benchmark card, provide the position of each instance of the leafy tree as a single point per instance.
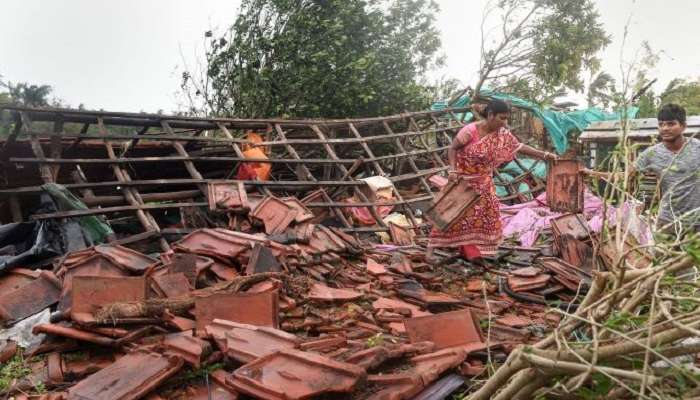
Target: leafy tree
(648, 105)
(319, 58)
(600, 90)
(539, 46)
(685, 92)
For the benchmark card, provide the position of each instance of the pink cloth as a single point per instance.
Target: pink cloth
(526, 220)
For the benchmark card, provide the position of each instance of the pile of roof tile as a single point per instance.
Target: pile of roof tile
(326, 314)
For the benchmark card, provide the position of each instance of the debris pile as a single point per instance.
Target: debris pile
(302, 277)
(282, 308)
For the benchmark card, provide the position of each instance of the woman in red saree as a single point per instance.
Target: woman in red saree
(475, 153)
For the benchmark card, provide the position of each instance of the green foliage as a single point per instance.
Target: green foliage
(684, 92)
(601, 385)
(566, 36)
(622, 321)
(648, 105)
(544, 48)
(600, 90)
(12, 370)
(309, 58)
(376, 340)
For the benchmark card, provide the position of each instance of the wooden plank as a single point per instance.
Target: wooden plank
(111, 210)
(282, 185)
(307, 175)
(45, 170)
(131, 195)
(436, 157)
(411, 161)
(341, 167)
(189, 165)
(153, 120)
(238, 151)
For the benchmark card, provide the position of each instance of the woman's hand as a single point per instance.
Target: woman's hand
(550, 156)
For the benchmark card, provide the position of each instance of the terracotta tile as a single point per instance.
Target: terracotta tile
(398, 306)
(576, 252)
(30, 298)
(401, 265)
(214, 392)
(520, 284)
(171, 285)
(514, 321)
(96, 265)
(369, 358)
(227, 196)
(223, 271)
(16, 278)
(451, 203)
(129, 259)
(565, 273)
(190, 265)
(395, 386)
(179, 323)
(574, 225)
(55, 368)
(431, 366)
(92, 292)
(527, 272)
(323, 343)
(303, 232)
(292, 374)
(275, 214)
(246, 343)
(322, 292)
(436, 298)
(75, 369)
(475, 285)
(8, 349)
(438, 181)
(401, 235)
(69, 332)
(193, 350)
(303, 213)
(211, 243)
(375, 268)
(445, 329)
(248, 308)
(411, 349)
(129, 378)
(472, 368)
(262, 260)
(565, 186)
(397, 328)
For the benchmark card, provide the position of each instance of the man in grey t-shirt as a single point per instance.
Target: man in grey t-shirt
(676, 163)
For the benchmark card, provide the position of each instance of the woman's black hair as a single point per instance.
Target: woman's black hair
(671, 112)
(497, 107)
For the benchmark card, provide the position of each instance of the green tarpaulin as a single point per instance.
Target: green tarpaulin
(557, 123)
(95, 230)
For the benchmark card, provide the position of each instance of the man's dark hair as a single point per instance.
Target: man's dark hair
(672, 112)
(496, 107)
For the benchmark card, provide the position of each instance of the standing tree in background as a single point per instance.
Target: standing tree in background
(311, 58)
(685, 92)
(534, 48)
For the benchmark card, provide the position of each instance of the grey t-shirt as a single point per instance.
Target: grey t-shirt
(679, 176)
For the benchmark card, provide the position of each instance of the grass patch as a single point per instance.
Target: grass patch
(12, 370)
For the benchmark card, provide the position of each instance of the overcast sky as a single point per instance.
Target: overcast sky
(126, 55)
